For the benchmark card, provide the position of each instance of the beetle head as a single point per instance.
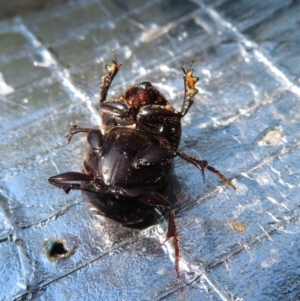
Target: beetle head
(143, 94)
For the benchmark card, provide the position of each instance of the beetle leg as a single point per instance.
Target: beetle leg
(94, 138)
(108, 78)
(151, 154)
(76, 181)
(114, 114)
(161, 122)
(77, 129)
(70, 180)
(153, 198)
(202, 165)
(189, 88)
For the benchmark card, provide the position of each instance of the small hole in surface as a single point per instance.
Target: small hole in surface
(56, 249)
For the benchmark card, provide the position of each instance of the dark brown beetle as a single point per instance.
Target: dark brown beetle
(129, 160)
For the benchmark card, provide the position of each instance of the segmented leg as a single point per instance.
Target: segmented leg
(189, 88)
(152, 154)
(108, 78)
(77, 129)
(70, 181)
(153, 198)
(202, 165)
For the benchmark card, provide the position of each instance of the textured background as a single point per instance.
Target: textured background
(245, 122)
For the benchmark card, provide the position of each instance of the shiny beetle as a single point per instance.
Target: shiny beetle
(129, 160)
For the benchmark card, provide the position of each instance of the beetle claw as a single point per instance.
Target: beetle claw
(203, 175)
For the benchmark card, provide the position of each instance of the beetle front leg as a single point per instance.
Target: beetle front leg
(202, 165)
(189, 89)
(108, 78)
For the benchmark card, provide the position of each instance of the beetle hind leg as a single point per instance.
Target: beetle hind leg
(153, 198)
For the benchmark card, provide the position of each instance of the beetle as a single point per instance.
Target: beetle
(129, 160)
